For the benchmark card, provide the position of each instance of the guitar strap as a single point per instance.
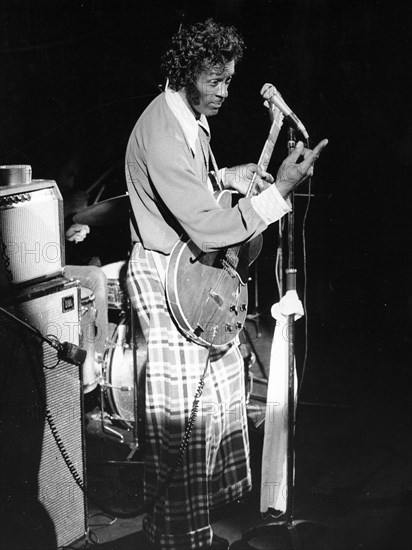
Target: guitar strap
(216, 174)
(214, 177)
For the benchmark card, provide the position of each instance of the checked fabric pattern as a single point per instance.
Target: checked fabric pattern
(215, 467)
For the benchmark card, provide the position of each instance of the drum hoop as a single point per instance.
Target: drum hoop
(88, 316)
(113, 394)
(88, 297)
(114, 270)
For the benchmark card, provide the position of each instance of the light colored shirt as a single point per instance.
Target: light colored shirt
(190, 125)
(167, 181)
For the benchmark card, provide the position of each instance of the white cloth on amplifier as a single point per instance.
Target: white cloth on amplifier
(273, 493)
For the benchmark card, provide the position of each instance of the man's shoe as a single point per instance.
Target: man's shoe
(219, 543)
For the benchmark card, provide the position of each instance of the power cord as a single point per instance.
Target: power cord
(305, 283)
(74, 355)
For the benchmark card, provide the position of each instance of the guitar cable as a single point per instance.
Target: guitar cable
(305, 284)
(64, 353)
(188, 431)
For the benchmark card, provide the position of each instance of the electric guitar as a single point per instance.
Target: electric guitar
(207, 290)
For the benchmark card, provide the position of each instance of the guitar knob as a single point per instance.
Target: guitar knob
(228, 328)
(242, 307)
(233, 308)
(238, 325)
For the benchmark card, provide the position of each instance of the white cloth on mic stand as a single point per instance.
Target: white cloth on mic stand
(273, 493)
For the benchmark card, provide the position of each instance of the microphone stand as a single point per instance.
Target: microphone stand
(285, 526)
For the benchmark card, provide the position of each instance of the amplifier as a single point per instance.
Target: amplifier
(31, 234)
(41, 503)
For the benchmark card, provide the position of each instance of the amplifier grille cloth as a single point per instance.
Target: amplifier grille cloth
(34, 470)
(30, 231)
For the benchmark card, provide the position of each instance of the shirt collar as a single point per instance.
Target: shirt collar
(186, 118)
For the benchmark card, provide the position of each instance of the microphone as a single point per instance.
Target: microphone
(270, 93)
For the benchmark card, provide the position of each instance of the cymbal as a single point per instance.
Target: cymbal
(112, 212)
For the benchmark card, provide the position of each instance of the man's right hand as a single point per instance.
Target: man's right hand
(291, 173)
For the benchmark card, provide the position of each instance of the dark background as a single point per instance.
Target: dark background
(75, 76)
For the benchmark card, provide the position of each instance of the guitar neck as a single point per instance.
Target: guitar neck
(267, 151)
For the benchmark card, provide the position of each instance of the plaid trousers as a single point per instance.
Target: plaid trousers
(215, 467)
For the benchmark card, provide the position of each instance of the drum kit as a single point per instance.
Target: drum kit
(121, 376)
(124, 359)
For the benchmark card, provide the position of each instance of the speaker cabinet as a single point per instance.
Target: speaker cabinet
(31, 234)
(42, 506)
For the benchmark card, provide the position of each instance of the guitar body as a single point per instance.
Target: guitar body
(207, 291)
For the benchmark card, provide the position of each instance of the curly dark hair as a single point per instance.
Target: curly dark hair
(197, 48)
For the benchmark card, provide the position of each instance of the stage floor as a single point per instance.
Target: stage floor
(353, 457)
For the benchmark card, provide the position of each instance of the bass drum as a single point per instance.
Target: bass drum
(119, 372)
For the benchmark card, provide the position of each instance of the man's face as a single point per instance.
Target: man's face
(207, 95)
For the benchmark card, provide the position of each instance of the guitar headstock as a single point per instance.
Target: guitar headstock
(275, 114)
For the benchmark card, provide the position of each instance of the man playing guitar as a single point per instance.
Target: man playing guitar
(193, 464)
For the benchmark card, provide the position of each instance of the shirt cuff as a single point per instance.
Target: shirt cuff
(270, 205)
